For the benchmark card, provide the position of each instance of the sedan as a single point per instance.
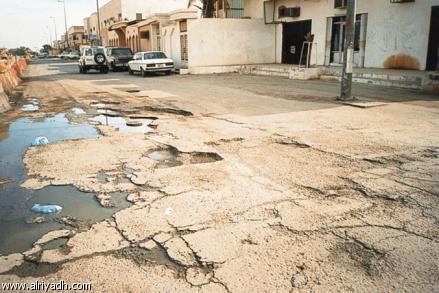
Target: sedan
(153, 61)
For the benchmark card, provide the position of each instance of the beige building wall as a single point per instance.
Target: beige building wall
(76, 37)
(110, 14)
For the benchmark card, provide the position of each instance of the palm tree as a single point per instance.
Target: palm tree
(207, 7)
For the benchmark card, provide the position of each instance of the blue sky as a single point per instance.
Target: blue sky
(27, 22)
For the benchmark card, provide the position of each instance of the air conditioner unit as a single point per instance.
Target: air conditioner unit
(294, 12)
(340, 4)
(289, 12)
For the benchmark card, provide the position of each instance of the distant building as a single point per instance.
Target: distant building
(76, 37)
(117, 18)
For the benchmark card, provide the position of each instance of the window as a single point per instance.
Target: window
(340, 3)
(154, 55)
(357, 33)
(88, 52)
(138, 57)
(183, 26)
(121, 52)
(288, 11)
(183, 46)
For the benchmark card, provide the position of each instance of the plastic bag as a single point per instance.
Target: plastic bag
(46, 209)
(41, 140)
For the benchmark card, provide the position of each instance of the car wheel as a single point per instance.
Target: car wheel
(113, 68)
(168, 72)
(143, 72)
(99, 58)
(106, 70)
(130, 72)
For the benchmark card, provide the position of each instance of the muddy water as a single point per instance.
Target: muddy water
(121, 124)
(17, 232)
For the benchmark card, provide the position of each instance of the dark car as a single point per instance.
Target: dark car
(119, 58)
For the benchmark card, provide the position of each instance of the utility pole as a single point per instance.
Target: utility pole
(65, 22)
(54, 24)
(99, 24)
(50, 36)
(346, 80)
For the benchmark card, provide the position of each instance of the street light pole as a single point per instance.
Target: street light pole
(99, 24)
(346, 80)
(54, 24)
(65, 22)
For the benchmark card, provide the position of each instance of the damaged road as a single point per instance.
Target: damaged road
(292, 198)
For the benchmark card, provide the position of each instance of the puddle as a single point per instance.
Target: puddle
(54, 244)
(108, 113)
(121, 124)
(30, 108)
(164, 155)
(133, 91)
(15, 202)
(78, 111)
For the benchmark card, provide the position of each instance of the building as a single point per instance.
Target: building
(389, 33)
(76, 37)
(91, 29)
(119, 19)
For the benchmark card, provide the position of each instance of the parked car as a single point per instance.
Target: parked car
(63, 55)
(74, 55)
(93, 57)
(119, 57)
(152, 61)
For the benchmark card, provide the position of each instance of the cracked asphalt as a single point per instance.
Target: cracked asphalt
(240, 184)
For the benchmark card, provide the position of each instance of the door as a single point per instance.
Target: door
(338, 35)
(337, 40)
(292, 40)
(433, 41)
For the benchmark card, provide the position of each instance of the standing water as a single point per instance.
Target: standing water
(17, 232)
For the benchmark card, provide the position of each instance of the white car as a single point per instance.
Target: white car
(152, 61)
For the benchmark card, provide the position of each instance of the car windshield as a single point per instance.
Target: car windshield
(121, 52)
(154, 55)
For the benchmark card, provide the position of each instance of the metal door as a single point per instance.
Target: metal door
(292, 40)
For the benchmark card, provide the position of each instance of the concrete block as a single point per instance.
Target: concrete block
(4, 101)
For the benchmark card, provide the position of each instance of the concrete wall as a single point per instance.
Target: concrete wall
(391, 28)
(219, 42)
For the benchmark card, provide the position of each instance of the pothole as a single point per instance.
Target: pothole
(204, 158)
(121, 124)
(169, 156)
(156, 255)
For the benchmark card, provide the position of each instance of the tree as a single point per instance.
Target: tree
(207, 7)
(46, 48)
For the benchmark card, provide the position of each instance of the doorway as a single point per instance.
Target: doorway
(433, 41)
(293, 37)
(338, 38)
